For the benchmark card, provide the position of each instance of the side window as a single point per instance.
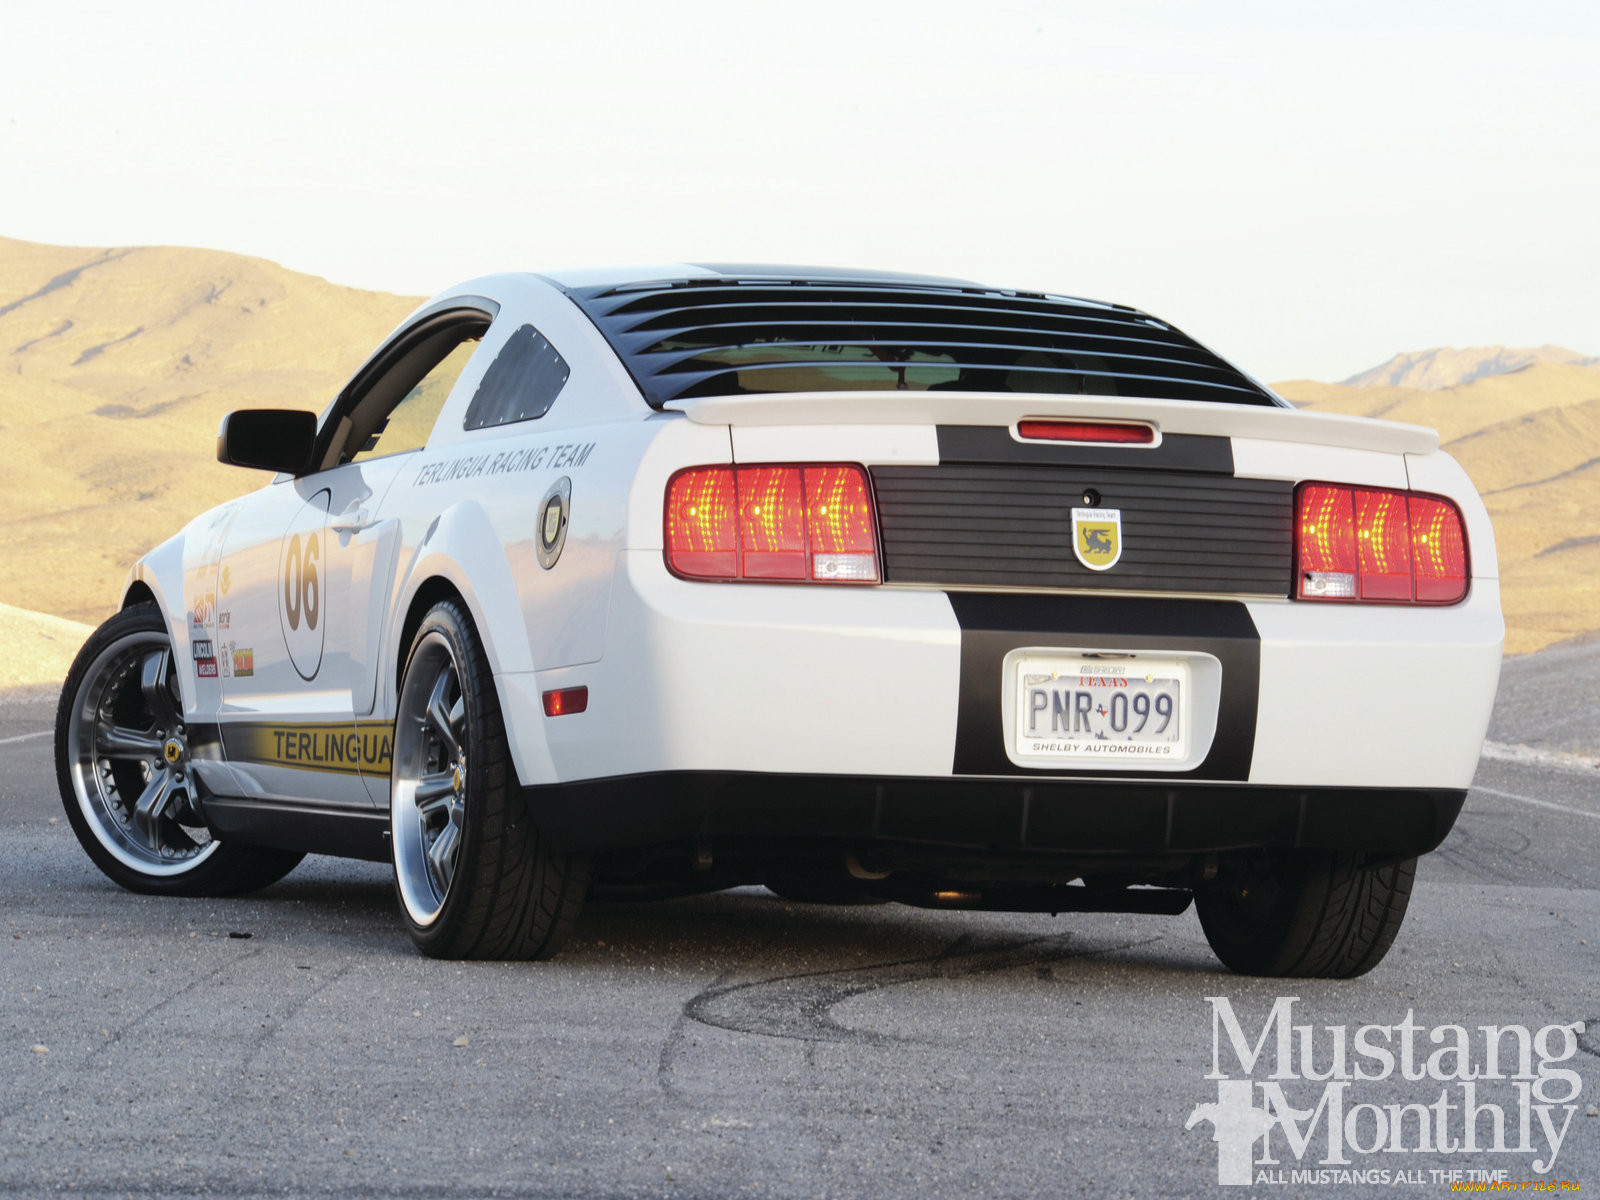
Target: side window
(521, 384)
(392, 404)
(408, 423)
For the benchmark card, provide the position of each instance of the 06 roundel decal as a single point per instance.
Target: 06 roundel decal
(301, 594)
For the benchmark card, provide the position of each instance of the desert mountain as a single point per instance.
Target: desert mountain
(1447, 367)
(118, 366)
(120, 363)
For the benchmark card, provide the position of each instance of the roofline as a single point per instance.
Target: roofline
(641, 276)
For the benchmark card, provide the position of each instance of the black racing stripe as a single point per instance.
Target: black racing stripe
(994, 444)
(993, 625)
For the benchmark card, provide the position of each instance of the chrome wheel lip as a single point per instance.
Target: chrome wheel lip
(136, 831)
(428, 784)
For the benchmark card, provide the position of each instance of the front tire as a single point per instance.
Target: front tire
(474, 877)
(1309, 913)
(123, 769)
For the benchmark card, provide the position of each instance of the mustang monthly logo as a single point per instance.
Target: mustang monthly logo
(1097, 537)
(341, 748)
(1500, 1091)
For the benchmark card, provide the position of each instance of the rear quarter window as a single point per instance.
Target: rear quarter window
(521, 384)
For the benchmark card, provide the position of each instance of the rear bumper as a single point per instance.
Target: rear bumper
(893, 683)
(997, 816)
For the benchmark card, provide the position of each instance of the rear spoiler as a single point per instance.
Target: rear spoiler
(1006, 409)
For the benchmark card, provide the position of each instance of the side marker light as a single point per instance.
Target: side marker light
(566, 701)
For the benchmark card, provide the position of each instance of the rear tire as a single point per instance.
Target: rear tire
(474, 876)
(122, 766)
(1311, 913)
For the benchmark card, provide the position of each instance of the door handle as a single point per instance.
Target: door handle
(351, 521)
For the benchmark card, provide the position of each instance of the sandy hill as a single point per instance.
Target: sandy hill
(1447, 367)
(119, 364)
(38, 649)
(1531, 442)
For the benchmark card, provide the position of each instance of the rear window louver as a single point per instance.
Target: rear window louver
(725, 337)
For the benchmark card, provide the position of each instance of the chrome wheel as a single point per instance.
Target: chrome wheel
(429, 786)
(474, 876)
(127, 758)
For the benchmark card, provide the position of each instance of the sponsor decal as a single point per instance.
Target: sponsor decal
(203, 649)
(1303, 1104)
(227, 581)
(558, 457)
(244, 663)
(224, 618)
(1097, 537)
(204, 611)
(343, 749)
(206, 668)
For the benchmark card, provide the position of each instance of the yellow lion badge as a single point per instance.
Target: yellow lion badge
(1097, 537)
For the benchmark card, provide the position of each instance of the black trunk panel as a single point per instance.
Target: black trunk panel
(1009, 525)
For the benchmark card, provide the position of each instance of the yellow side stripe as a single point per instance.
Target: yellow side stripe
(342, 748)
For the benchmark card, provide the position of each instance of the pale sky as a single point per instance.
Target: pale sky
(1308, 188)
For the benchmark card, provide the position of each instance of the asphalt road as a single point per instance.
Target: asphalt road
(292, 1043)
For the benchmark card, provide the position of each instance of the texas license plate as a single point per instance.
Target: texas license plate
(1094, 710)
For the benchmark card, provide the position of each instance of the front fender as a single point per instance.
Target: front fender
(160, 572)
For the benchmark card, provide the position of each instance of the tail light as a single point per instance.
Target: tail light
(1378, 546)
(803, 524)
(703, 524)
(1439, 550)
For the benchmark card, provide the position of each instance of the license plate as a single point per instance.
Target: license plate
(1094, 710)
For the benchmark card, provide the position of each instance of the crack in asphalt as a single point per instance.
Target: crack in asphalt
(116, 1034)
(799, 1007)
(12, 1106)
(1589, 1039)
(275, 1026)
(1489, 847)
(673, 1048)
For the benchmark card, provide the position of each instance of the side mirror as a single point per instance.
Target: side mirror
(268, 439)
